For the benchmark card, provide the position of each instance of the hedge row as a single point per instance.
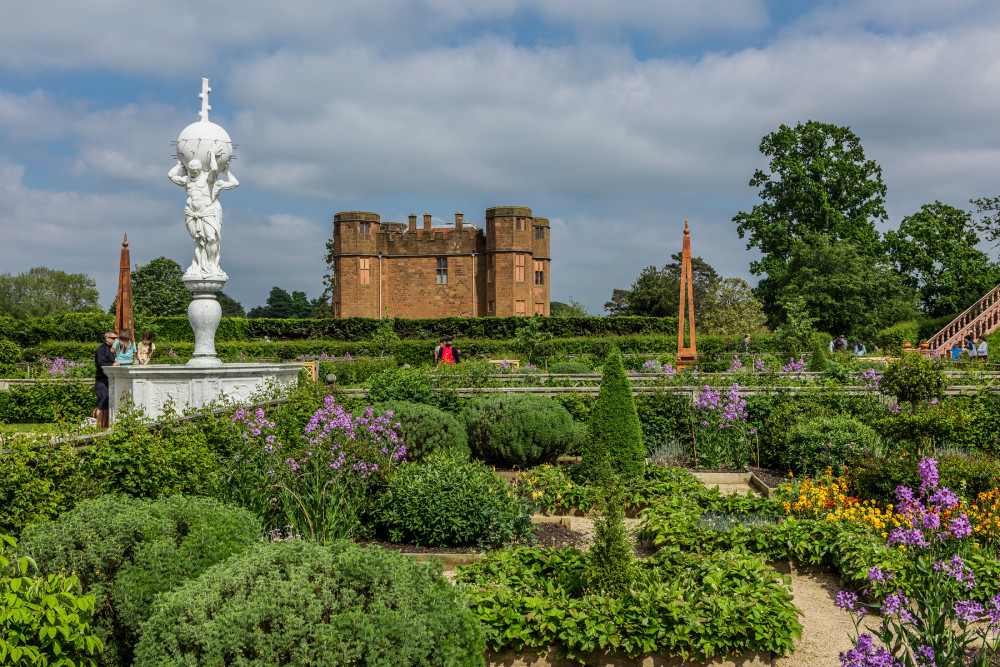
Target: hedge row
(420, 352)
(87, 327)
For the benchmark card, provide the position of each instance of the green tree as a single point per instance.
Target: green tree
(614, 433)
(935, 250)
(656, 292)
(820, 182)
(843, 290)
(572, 309)
(230, 306)
(41, 291)
(732, 309)
(385, 337)
(302, 309)
(157, 289)
(279, 304)
(322, 308)
(529, 335)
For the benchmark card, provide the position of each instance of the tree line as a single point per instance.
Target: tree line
(823, 264)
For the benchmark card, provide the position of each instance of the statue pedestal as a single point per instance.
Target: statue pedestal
(185, 386)
(204, 314)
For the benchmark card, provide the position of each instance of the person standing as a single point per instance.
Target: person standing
(970, 348)
(103, 357)
(437, 350)
(746, 344)
(956, 350)
(124, 348)
(982, 352)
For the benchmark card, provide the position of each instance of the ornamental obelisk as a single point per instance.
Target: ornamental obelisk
(686, 353)
(204, 152)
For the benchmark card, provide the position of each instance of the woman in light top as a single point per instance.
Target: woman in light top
(125, 348)
(983, 350)
(144, 350)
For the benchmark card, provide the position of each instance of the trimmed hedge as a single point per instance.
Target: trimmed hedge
(520, 429)
(47, 402)
(614, 432)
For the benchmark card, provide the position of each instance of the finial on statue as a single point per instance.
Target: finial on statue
(125, 241)
(686, 230)
(203, 96)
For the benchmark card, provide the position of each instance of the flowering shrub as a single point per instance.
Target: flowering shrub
(828, 498)
(723, 436)
(794, 366)
(59, 367)
(934, 621)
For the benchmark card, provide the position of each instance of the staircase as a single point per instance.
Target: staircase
(980, 319)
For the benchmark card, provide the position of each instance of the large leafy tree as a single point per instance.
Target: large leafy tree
(230, 306)
(42, 291)
(935, 250)
(572, 309)
(732, 309)
(157, 289)
(656, 292)
(819, 182)
(280, 304)
(842, 290)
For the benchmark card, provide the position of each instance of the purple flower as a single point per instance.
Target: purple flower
(876, 575)
(847, 600)
(960, 527)
(895, 603)
(925, 657)
(969, 610)
(866, 654)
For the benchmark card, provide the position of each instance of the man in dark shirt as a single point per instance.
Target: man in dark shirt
(103, 357)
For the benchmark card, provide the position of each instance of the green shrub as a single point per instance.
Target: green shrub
(913, 378)
(612, 568)
(818, 363)
(892, 338)
(43, 621)
(614, 432)
(10, 355)
(448, 502)
(400, 384)
(298, 603)
(47, 402)
(519, 429)
(877, 478)
(570, 368)
(664, 417)
(355, 371)
(424, 429)
(126, 551)
(814, 444)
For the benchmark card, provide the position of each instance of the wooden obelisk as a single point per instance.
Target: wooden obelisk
(686, 353)
(123, 303)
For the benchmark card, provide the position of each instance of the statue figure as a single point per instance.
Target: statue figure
(202, 211)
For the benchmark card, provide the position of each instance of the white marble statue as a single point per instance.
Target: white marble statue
(199, 143)
(203, 212)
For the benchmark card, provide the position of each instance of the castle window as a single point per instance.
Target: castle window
(539, 309)
(539, 232)
(492, 308)
(519, 268)
(539, 273)
(491, 274)
(365, 228)
(364, 270)
(442, 270)
(519, 224)
(519, 307)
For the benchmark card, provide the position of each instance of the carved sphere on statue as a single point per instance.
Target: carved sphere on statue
(199, 140)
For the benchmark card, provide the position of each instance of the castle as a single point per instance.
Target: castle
(394, 269)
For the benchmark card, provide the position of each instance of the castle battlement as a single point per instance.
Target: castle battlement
(398, 269)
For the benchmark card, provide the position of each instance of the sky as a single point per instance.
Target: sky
(616, 120)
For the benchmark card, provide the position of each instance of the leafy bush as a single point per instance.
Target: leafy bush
(614, 432)
(400, 384)
(447, 502)
(816, 443)
(43, 621)
(126, 551)
(10, 354)
(570, 368)
(519, 429)
(740, 603)
(612, 563)
(298, 603)
(664, 417)
(913, 378)
(425, 429)
(892, 338)
(47, 402)
(818, 363)
(354, 371)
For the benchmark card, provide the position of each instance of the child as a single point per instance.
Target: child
(145, 348)
(125, 348)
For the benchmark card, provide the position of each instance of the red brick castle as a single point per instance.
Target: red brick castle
(394, 269)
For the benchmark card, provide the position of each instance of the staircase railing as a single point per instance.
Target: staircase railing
(979, 319)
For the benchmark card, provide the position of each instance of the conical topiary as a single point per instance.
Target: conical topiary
(818, 363)
(614, 432)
